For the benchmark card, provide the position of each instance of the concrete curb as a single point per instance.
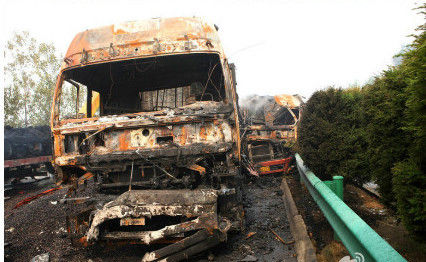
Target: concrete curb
(304, 248)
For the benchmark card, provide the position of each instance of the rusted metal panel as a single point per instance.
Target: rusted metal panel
(275, 166)
(27, 161)
(290, 101)
(198, 168)
(168, 197)
(129, 40)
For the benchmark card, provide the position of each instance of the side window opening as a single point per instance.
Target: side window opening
(276, 115)
(74, 101)
(284, 117)
(73, 97)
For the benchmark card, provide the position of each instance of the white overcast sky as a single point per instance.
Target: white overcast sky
(293, 46)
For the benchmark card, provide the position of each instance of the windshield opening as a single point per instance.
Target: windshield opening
(149, 84)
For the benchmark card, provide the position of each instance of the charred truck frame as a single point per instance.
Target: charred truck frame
(270, 132)
(159, 133)
(27, 153)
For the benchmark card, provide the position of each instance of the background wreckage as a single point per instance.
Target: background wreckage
(156, 124)
(269, 132)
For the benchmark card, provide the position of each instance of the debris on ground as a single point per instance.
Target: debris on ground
(250, 234)
(264, 210)
(280, 238)
(249, 258)
(41, 258)
(31, 198)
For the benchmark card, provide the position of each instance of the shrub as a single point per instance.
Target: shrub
(384, 105)
(330, 137)
(409, 187)
(409, 174)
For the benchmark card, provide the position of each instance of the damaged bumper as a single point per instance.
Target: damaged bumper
(154, 212)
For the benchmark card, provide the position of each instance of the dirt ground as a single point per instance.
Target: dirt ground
(369, 208)
(39, 227)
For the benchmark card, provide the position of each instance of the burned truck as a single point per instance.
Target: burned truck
(27, 153)
(159, 133)
(269, 132)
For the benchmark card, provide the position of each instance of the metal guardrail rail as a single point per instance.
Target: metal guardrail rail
(362, 242)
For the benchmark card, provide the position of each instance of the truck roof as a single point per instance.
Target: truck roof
(157, 36)
(291, 101)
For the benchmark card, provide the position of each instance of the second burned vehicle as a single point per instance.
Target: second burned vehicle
(160, 134)
(270, 131)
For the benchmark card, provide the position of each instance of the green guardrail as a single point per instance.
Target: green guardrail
(362, 242)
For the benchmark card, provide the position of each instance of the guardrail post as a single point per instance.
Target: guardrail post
(336, 185)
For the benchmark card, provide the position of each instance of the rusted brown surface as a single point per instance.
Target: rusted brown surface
(159, 131)
(141, 38)
(26, 161)
(290, 101)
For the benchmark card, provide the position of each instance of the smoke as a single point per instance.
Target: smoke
(252, 109)
(254, 103)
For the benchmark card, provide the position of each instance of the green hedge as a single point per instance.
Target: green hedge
(409, 173)
(330, 138)
(376, 132)
(384, 104)
(409, 186)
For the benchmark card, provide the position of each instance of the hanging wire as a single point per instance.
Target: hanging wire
(208, 79)
(131, 178)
